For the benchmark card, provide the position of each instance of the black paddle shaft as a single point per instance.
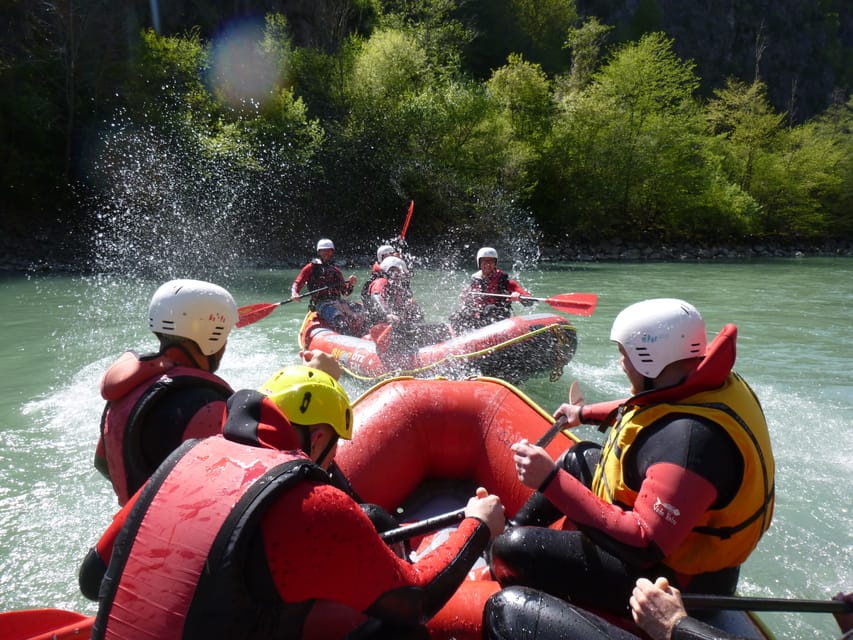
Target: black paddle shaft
(707, 601)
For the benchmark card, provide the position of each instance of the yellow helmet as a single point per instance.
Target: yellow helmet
(308, 396)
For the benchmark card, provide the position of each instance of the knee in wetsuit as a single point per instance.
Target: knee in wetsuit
(521, 612)
(340, 324)
(510, 555)
(581, 461)
(538, 511)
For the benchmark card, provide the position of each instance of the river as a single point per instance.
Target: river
(795, 348)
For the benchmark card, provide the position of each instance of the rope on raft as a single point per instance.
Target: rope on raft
(565, 342)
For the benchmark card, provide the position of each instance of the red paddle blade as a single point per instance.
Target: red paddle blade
(580, 304)
(408, 220)
(38, 624)
(251, 313)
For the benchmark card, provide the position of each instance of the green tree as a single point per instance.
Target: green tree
(435, 25)
(628, 133)
(585, 43)
(60, 63)
(524, 92)
(795, 182)
(791, 171)
(545, 23)
(835, 127)
(741, 116)
(389, 66)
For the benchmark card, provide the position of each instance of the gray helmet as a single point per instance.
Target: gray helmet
(486, 252)
(383, 252)
(393, 262)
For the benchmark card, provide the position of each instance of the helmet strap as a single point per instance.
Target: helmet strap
(304, 434)
(305, 437)
(332, 442)
(648, 384)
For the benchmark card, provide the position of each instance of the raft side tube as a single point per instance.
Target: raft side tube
(439, 429)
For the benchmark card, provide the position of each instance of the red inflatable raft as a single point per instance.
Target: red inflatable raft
(421, 446)
(513, 349)
(439, 439)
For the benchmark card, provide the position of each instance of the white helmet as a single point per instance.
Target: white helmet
(658, 332)
(383, 252)
(199, 311)
(325, 243)
(486, 252)
(393, 262)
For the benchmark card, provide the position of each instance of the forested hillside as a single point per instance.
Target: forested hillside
(664, 121)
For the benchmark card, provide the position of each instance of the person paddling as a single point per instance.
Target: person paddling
(478, 310)
(241, 535)
(382, 252)
(325, 277)
(683, 488)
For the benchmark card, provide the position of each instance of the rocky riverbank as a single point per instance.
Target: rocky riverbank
(42, 253)
(618, 250)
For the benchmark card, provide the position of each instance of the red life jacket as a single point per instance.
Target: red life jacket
(326, 274)
(136, 386)
(179, 565)
(497, 283)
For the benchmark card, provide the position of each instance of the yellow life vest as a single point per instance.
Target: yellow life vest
(723, 537)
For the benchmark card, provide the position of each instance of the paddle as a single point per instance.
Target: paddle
(408, 220)
(738, 603)
(452, 517)
(251, 313)
(579, 304)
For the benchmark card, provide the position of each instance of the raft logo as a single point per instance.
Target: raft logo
(666, 511)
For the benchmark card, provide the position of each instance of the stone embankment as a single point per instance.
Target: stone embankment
(620, 251)
(49, 254)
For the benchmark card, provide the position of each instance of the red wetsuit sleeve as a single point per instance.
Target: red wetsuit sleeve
(670, 503)
(379, 292)
(513, 287)
(108, 538)
(205, 422)
(321, 545)
(301, 279)
(597, 412)
(94, 565)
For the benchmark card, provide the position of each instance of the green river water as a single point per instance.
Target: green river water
(795, 348)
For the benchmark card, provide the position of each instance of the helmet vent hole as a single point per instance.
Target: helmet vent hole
(643, 354)
(306, 402)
